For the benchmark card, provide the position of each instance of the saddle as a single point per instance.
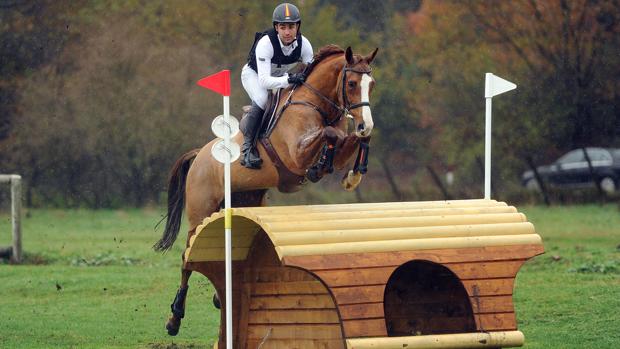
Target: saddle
(268, 119)
(288, 181)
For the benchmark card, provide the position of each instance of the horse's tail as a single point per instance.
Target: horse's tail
(176, 200)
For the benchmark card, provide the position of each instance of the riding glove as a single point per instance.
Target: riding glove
(296, 78)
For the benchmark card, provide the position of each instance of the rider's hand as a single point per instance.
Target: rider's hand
(296, 78)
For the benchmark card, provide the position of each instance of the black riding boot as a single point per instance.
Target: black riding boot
(250, 157)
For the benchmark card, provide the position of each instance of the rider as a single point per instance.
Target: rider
(273, 54)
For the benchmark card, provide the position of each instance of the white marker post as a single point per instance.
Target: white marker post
(493, 86)
(225, 126)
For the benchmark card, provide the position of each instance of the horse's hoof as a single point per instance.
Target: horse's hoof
(351, 180)
(216, 301)
(313, 175)
(173, 325)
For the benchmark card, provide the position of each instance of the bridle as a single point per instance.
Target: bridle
(343, 110)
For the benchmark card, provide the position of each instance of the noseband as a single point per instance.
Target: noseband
(343, 110)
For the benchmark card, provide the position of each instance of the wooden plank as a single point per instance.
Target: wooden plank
(411, 212)
(295, 344)
(355, 277)
(452, 341)
(489, 287)
(244, 310)
(383, 259)
(492, 304)
(360, 207)
(405, 244)
(216, 223)
(280, 273)
(433, 224)
(298, 331)
(297, 287)
(294, 316)
(197, 254)
(238, 241)
(358, 294)
(485, 270)
(364, 328)
(320, 301)
(361, 311)
(496, 322)
(481, 231)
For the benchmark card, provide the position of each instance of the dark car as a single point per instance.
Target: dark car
(572, 171)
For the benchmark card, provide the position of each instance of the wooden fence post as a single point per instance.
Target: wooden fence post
(16, 208)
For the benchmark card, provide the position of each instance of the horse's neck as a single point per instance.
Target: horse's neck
(325, 79)
(301, 128)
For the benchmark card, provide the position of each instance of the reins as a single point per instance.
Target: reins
(343, 110)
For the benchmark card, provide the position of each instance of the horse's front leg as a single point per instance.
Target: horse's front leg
(330, 138)
(353, 177)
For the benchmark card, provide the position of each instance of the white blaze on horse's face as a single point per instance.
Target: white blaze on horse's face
(366, 113)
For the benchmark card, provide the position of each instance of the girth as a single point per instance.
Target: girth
(288, 182)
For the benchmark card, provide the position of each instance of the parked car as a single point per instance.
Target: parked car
(572, 171)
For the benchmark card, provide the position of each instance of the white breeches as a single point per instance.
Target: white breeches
(249, 80)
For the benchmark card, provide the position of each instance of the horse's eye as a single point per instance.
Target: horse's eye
(352, 84)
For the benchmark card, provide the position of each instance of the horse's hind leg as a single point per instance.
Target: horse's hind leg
(197, 210)
(177, 307)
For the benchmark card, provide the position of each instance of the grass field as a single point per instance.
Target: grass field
(92, 281)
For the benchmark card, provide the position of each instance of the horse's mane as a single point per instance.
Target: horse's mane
(324, 53)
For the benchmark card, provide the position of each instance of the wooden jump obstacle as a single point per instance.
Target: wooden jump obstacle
(388, 275)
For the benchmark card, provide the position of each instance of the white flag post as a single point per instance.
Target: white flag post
(225, 126)
(493, 86)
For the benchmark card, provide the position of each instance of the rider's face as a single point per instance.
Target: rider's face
(287, 32)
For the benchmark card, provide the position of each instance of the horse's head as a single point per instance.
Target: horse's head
(356, 85)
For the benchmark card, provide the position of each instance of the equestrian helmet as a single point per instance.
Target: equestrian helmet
(286, 13)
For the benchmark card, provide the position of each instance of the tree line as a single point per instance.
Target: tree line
(98, 97)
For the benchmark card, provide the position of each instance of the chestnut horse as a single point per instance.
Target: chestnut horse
(308, 140)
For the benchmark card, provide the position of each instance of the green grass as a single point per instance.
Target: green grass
(570, 296)
(92, 281)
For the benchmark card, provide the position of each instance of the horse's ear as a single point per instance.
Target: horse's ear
(349, 55)
(370, 57)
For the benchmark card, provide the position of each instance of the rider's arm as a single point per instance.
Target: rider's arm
(264, 53)
(306, 50)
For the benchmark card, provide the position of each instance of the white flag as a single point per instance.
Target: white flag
(494, 85)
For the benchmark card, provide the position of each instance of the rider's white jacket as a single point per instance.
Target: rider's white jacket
(274, 76)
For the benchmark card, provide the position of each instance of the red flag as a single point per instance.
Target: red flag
(218, 82)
